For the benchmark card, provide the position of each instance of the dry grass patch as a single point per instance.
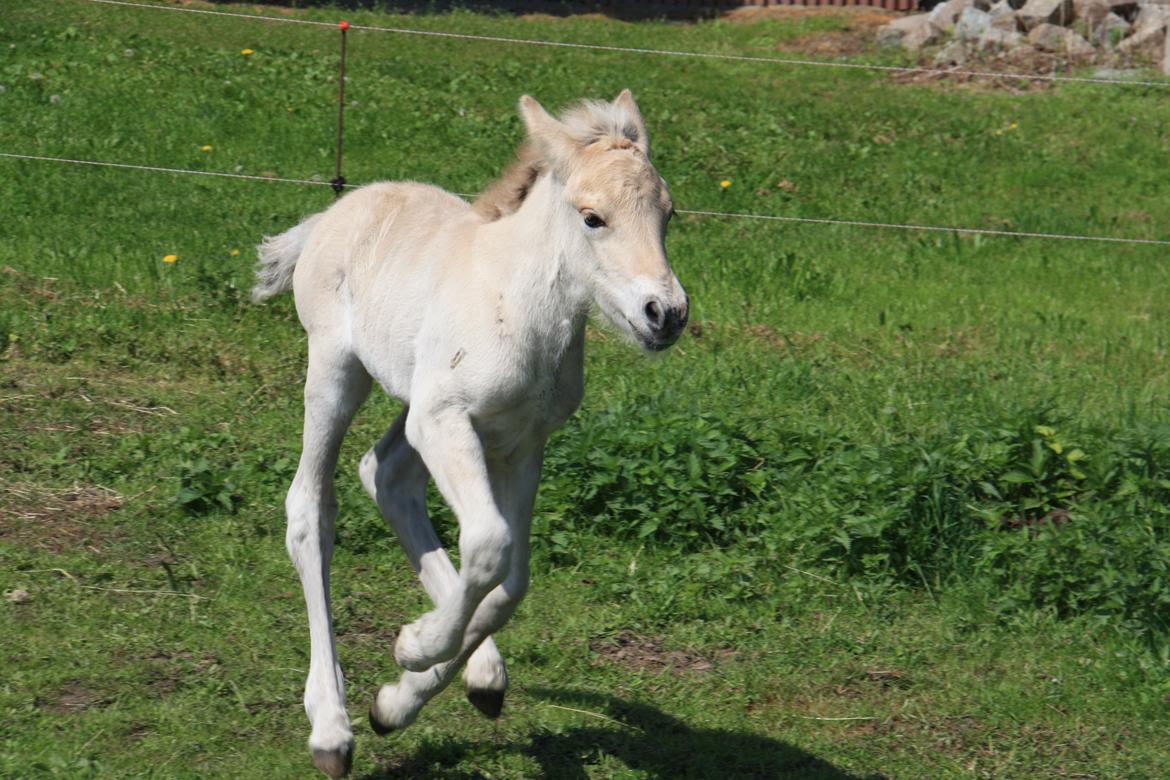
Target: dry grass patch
(645, 653)
(56, 520)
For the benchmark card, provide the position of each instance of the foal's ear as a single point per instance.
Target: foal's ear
(636, 127)
(550, 137)
(535, 117)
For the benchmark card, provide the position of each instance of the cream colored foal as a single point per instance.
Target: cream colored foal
(473, 315)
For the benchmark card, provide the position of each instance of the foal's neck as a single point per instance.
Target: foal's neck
(551, 297)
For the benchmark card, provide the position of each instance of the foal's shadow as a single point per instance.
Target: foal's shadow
(644, 739)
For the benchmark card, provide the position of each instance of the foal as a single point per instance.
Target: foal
(474, 317)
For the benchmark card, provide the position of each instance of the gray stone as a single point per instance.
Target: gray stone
(1111, 31)
(1037, 12)
(1003, 16)
(1005, 21)
(1001, 40)
(954, 53)
(972, 24)
(1149, 29)
(1151, 17)
(1059, 40)
(1076, 46)
(1002, 8)
(1166, 57)
(909, 32)
(1047, 37)
(944, 15)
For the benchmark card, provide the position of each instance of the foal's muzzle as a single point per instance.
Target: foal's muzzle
(664, 322)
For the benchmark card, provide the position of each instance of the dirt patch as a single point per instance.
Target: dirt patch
(137, 732)
(858, 36)
(999, 74)
(56, 520)
(644, 653)
(860, 15)
(167, 672)
(73, 697)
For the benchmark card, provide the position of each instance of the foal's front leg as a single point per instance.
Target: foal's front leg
(396, 478)
(396, 706)
(453, 454)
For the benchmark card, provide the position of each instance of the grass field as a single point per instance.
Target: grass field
(897, 506)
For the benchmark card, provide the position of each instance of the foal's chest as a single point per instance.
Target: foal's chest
(534, 405)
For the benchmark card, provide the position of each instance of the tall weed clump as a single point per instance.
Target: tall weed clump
(1031, 508)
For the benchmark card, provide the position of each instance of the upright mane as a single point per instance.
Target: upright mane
(588, 123)
(504, 196)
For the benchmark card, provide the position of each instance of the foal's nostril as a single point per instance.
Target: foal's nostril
(655, 315)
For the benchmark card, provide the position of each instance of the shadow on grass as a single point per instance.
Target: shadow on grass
(643, 738)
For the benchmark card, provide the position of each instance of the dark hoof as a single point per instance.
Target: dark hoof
(335, 763)
(490, 703)
(380, 728)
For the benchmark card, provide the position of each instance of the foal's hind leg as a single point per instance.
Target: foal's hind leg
(396, 706)
(335, 387)
(396, 478)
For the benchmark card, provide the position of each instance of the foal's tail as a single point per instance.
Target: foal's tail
(278, 258)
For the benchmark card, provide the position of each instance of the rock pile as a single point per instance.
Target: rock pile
(1077, 29)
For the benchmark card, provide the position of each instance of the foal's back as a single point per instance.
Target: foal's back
(375, 264)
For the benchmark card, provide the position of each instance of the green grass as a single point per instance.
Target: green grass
(816, 539)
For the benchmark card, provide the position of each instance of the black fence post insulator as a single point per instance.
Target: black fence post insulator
(338, 181)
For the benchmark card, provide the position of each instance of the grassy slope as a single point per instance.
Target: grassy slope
(829, 327)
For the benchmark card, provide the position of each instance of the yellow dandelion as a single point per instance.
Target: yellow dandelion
(246, 52)
(170, 258)
(234, 253)
(1014, 126)
(205, 148)
(725, 183)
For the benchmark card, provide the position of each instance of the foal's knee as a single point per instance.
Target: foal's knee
(485, 549)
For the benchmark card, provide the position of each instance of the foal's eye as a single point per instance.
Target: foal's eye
(594, 221)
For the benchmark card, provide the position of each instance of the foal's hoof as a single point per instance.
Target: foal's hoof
(489, 702)
(380, 728)
(335, 763)
(388, 714)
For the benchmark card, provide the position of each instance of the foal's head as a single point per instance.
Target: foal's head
(612, 212)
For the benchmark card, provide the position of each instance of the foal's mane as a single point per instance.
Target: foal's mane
(590, 122)
(504, 196)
